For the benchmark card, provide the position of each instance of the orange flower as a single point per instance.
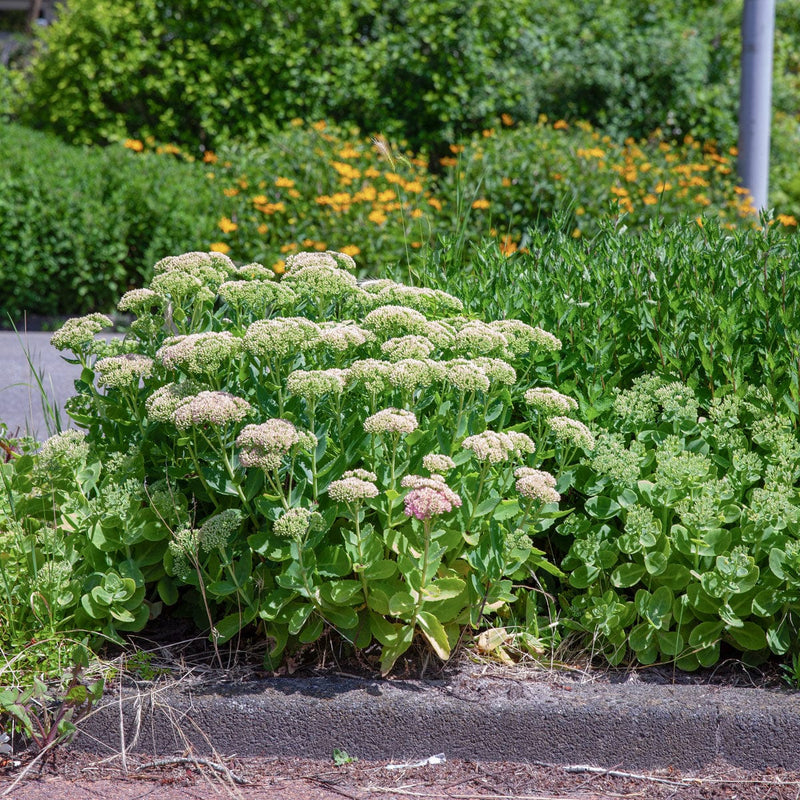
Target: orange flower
(560, 125)
(284, 183)
(279, 267)
(386, 196)
(262, 228)
(230, 192)
(134, 144)
(350, 250)
(416, 213)
(481, 203)
(209, 157)
(260, 199)
(219, 247)
(377, 216)
(434, 203)
(787, 219)
(289, 248)
(507, 120)
(227, 226)
(319, 125)
(413, 186)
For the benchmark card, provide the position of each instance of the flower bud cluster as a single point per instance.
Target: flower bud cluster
(571, 431)
(391, 420)
(341, 336)
(521, 337)
(67, 448)
(123, 370)
(321, 281)
(426, 301)
(371, 375)
(436, 462)
(278, 338)
(403, 347)
(497, 446)
(312, 384)
(210, 408)
(178, 285)
(411, 373)
(210, 269)
(549, 401)
(254, 272)
(466, 375)
(479, 338)
(163, 402)
(256, 294)
(293, 524)
(428, 497)
(216, 531)
(535, 484)
(266, 444)
(199, 353)
(140, 301)
(78, 331)
(392, 320)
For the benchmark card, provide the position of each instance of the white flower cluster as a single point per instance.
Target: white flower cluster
(426, 301)
(265, 445)
(140, 301)
(498, 446)
(67, 448)
(321, 281)
(281, 337)
(411, 373)
(210, 408)
(479, 338)
(549, 401)
(436, 462)
(535, 484)
(330, 258)
(123, 370)
(395, 321)
(391, 420)
(466, 375)
(341, 336)
(312, 384)
(257, 294)
(354, 485)
(403, 347)
(177, 285)
(572, 431)
(199, 353)
(370, 374)
(78, 331)
(210, 269)
(497, 370)
(254, 272)
(293, 523)
(163, 402)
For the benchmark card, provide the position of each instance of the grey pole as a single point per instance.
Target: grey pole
(755, 101)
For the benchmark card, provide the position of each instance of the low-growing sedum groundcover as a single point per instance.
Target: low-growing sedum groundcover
(295, 456)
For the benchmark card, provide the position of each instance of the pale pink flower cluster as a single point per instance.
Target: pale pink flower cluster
(210, 408)
(549, 401)
(370, 374)
(78, 331)
(266, 444)
(497, 446)
(437, 462)
(342, 336)
(122, 370)
(354, 485)
(536, 484)
(497, 370)
(312, 384)
(210, 269)
(391, 420)
(199, 353)
(478, 338)
(139, 300)
(428, 497)
(466, 375)
(402, 347)
(321, 280)
(256, 294)
(163, 402)
(571, 431)
(280, 337)
(395, 321)
(413, 373)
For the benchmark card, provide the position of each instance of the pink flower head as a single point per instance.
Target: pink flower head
(428, 497)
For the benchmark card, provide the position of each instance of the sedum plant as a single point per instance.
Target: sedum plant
(688, 537)
(303, 454)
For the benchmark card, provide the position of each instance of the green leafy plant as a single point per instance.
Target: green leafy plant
(687, 538)
(251, 449)
(342, 757)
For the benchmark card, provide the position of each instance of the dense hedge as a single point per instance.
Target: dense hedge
(432, 70)
(78, 227)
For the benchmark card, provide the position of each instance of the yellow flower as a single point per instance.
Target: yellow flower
(649, 199)
(480, 203)
(787, 219)
(318, 126)
(210, 176)
(296, 122)
(279, 267)
(350, 250)
(435, 203)
(377, 216)
(416, 213)
(371, 172)
(699, 221)
(576, 234)
(560, 125)
(348, 151)
(386, 195)
(227, 226)
(262, 228)
(230, 192)
(134, 144)
(663, 187)
(508, 246)
(413, 186)
(487, 133)
(284, 183)
(346, 170)
(289, 248)
(507, 120)
(209, 157)
(219, 247)
(506, 182)
(702, 200)
(260, 199)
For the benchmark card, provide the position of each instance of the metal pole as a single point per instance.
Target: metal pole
(755, 101)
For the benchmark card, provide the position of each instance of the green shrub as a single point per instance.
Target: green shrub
(251, 450)
(78, 227)
(199, 73)
(703, 305)
(687, 538)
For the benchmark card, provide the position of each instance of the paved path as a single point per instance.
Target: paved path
(20, 398)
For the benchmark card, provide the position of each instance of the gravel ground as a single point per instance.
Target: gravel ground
(71, 775)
